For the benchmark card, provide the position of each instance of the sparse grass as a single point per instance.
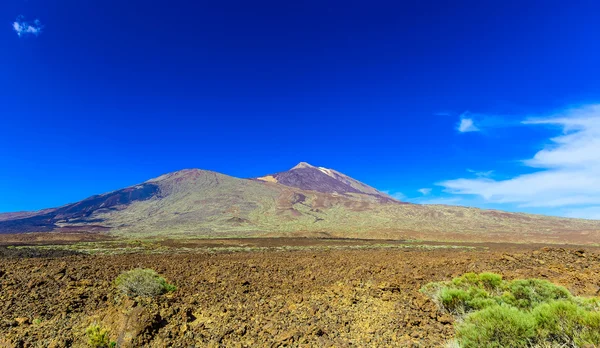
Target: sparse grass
(98, 337)
(155, 247)
(492, 312)
(143, 282)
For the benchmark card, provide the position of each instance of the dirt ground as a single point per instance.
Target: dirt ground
(325, 298)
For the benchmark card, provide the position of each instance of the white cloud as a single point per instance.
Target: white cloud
(568, 168)
(484, 174)
(481, 122)
(22, 27)
(467, 125)
(425, 191)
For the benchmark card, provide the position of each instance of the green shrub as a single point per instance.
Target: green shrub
(481, 303)
(473, 292)
(566, 322)
(497, 326)
(97, 336)
(465, 298)
(490, 281)
(493, 312)
(590, 334)
(589, 303)
(467, 279)
(143, 282)
(454, 300)
(530, 292)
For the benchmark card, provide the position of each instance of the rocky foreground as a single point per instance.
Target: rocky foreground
(269, 298)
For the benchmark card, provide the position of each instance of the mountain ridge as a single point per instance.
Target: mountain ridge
(303, 201)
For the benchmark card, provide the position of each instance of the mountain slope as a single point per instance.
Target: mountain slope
(80, 212)
(304, 201)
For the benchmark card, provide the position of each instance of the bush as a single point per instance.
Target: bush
(97, 336)
(455, 300)
(459, 301)
(474, 292)
(493, 312)
(497, 326)
(558, 320)
(486, 280)
(529, 293)
(589, 303)
(590, 334)
(490, 281)
(567, 323)
(143, 282)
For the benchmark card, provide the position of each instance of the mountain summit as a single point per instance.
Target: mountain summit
(308, 177)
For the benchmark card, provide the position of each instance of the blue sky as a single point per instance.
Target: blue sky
(489, 104)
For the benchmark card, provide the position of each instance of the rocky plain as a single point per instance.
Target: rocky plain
(269, 293)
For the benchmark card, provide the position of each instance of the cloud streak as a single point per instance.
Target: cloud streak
(425, 191)
(483, 174)
(477, 122)
(22, 28)
(568, 172)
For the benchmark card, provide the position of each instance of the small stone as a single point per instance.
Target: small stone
(445, 319)
(22, 320)
(286, 336)
(509, 258)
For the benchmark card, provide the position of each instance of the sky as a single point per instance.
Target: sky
(492, 104)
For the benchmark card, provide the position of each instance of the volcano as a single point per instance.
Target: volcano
(304, 201)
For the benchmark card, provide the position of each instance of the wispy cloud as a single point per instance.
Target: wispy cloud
(481, 174)
(21, 27)
(482, 122)
(568, 167)
(425, 191)
(466, 125)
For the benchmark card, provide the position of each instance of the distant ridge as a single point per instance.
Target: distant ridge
(305, 201)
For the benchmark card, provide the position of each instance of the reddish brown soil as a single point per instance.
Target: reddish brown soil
(337, 298)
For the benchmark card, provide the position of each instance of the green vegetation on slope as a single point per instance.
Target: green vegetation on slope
(143, 282)
(195, 203)
(493, 312)
(98, 337)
